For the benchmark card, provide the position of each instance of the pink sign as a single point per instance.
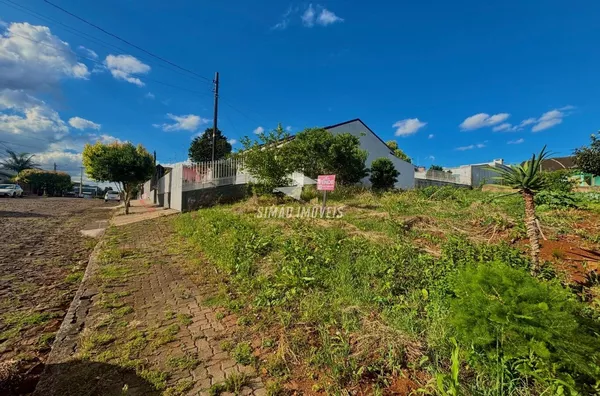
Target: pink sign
(326, 183)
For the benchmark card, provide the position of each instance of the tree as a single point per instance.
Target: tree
(392, 145)
(316, 151)
(18, 162)
(383, 174)
(48, 182)
(120, 163)
(588, 158)
(265, 160)
(436, 168)
(527, 180)
(201, 147)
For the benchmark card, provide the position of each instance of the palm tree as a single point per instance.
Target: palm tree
(18, 161)
(527, 180)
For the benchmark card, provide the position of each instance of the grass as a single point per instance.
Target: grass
(359, 299)
(233, 384)
(187, 362)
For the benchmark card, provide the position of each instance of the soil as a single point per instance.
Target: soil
(42, 258)
(571, 258)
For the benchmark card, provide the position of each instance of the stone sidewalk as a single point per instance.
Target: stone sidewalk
(138, 326)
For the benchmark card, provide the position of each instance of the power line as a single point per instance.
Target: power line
(103, 65)
(127, 42)
(84, 35)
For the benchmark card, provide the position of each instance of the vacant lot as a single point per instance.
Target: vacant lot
(42, 260)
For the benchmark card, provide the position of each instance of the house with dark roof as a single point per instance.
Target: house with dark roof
(376, 148)
(560, 163)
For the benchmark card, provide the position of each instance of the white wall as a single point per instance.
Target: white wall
(377, 149)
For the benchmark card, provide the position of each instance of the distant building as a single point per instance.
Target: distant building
(559, 163)
(475, 175)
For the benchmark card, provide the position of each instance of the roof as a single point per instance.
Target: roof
(558, 163)
(354, 120)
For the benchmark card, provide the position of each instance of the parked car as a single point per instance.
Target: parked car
(112, 196)
(11, 190)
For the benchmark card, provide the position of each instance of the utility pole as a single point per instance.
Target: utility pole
(216, 82)
(55, 167)
(154, 184)
(81, 182)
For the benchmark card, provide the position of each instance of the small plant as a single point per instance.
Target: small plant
(558, 254)
(233, 383)
(448, 384)
(244, 321)
(183, 362)
(242, 353)
(185, 319)
(226, 345)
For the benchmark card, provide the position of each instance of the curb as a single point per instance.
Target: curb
(65, 343)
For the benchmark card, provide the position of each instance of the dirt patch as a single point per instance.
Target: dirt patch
(41, 263)
(570, 258)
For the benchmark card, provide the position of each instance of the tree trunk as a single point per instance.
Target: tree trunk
(532, 232)
(126, 189)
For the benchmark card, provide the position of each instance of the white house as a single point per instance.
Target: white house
(376, 148)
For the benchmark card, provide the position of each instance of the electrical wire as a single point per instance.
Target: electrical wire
(125, 41)
(91, 38)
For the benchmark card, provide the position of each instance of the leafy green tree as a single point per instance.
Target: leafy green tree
(383, 174)
(201, 147)
(588, 158)
(436, 168)
(393, 145)
(265, 160)
(558, 180)
(18, 162)
(531, 327)
(527, 180)
(316, 151)
(119, 163)
(49, 182)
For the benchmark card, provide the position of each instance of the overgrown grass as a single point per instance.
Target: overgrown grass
(364, 297)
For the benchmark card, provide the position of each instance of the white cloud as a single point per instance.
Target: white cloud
(431, 136)
(503, 127)
(518, 141)
(548, 120)
(327, 17)
(126, 67)
(232, 141)
(33, 59)
(482, 120)
(308, 17)
(408, 126)
(189, 122)
(431, 158)
(285, 21)
(527, 121)
(319, 15)
(82, 123)
(471, 147)
(149, 95)
(288, 128)
(259, 130)
(88, 52)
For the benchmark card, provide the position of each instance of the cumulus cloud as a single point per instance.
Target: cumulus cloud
(482, 120)
(259, 130)
(189, 122)
(517, 141)
(313, 15)
(288, 128)
(408, 126)
(431, 136)
(126, 68)
(88, 52)
(33, 59)
(308, 17)
(82, 123)
(232, 141)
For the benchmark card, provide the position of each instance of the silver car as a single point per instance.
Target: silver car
(11, 190)
(112, 196)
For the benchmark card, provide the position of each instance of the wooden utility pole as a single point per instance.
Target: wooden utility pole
(216, 82)
(154, 184)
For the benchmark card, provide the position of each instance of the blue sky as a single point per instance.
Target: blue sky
(456, 81)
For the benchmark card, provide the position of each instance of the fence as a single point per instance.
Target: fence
(438, 176)
(210, 174)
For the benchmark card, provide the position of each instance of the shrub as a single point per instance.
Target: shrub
(383, 174)
(504, 315)
(559, 180)
(556, 199)
(50, 182)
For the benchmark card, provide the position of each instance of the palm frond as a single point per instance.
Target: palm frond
(526, 176)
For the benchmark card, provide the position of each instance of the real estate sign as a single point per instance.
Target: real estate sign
(326, 183)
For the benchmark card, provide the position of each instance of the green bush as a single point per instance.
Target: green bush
(557, 199)
(383, 174)
(559, 180)
(530, 327)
